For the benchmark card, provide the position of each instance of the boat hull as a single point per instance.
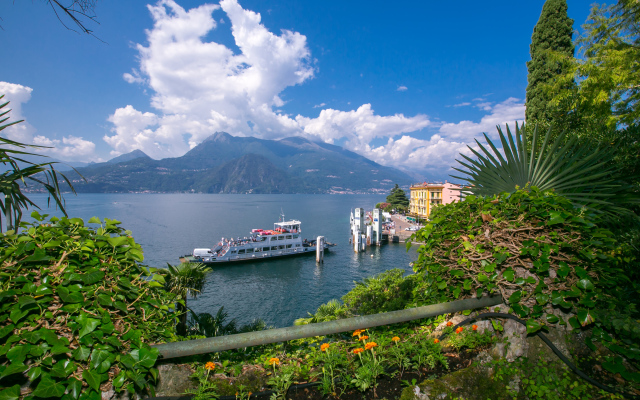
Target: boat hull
(307, 251)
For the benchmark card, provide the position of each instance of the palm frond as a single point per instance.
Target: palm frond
(585, 176)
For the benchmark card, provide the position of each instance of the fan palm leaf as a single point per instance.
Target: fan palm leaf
(184, 280)
(585, 176)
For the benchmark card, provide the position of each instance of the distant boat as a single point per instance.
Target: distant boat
(284, 240)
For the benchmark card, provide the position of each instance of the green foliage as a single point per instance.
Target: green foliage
(183, 280)
(534, 248)
(207, 325)
(553, 32)
(388, 291)
(469, 339)
(329, 311)
(42, 174)
(78, 310)
(546, 381)
(397, 199)
(206, 389)
(584, 176)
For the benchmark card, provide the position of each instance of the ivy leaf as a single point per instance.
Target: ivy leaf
(92, 276)
(100, 360)
(148, 357)
(542, 298)
(508, 274)
(584, 317)
(552, 319)
(93, 379)
(49, 388)
(533, 326)
(4, 331)
(94, 220)
(34, 373)
(581, 272)
(65, 296)
(17, 314)
(118, 381)
(74, 387)
(585, 284)
(564, 270)
(573, 321)
(442, 285)
(87, 325)
(81, 353)
(14, 368)
(556, 218)
(117, 241)
(482, 278)
(32, 336)
(12, 393)
(515, 297)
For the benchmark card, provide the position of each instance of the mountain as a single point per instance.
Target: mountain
(128, 157)
(229, 164)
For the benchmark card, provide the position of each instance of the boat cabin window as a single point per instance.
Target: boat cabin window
(297, 244)
(241, 251)
(288, 246)
(280, 237)
(263, 238)
(258, 249)
(274, 247)
(233, 252)
(296, 236)
(249, 250)
(288, 236)
(281, 247)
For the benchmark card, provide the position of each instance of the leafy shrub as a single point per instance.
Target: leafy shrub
(77, 311)
(534, 248)
(388, 291)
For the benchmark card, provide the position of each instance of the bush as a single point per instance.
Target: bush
(388, 291)
(78, 311)
(535, 249)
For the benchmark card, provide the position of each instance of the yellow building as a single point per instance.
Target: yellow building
(425, 196)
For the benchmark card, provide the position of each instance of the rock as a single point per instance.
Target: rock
(516, 336)
(469, 383)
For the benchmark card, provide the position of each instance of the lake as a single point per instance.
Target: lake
(278, 291)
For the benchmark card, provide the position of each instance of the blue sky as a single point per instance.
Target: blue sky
(408, 85)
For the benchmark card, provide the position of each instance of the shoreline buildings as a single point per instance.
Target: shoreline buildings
(425, 196)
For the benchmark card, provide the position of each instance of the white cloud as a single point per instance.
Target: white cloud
(438, 153)
(461, 105)
(16, 95)
(401, 88)
(70, 148)
(199, 87)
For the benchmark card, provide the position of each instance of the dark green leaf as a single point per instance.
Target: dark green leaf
(148, 356)
(49, 388)
(74, 387)
(14, 368)
(81, 353)
(533, 326)
(508, 274)
(585, 284)
(12, 393)
(69, 297)
(552, 319)
(92, 276)
(93, 379)
(584, 317)
(515, 297)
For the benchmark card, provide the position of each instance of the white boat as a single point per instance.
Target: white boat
(284, 240)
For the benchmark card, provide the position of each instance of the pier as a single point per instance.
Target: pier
(375, 228)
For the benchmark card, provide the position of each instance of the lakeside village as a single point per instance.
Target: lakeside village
(398, 218)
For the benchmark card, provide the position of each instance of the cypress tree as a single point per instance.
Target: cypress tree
(552, 33)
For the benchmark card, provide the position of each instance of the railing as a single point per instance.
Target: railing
(220, 343)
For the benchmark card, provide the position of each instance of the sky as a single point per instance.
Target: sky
(407, 84)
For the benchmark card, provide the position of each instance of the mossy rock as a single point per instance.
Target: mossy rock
(472, 383)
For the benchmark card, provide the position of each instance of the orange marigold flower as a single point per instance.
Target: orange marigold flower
(358, 332)
(274, 361)
(364, 337)
(395, 339)
(436, 340)
(460, 329)
(210, 366)
(370, 345)
(449, 323)
(324, 346)
(474, 327)
(358, 350)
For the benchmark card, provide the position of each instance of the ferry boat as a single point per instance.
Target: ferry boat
(284, 240)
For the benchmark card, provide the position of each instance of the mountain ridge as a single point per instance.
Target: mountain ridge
(223, 163)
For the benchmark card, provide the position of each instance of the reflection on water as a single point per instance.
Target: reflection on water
(279, 291)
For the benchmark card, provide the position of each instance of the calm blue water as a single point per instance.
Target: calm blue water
(278, 291)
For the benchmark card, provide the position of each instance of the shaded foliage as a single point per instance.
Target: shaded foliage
(78, 311)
